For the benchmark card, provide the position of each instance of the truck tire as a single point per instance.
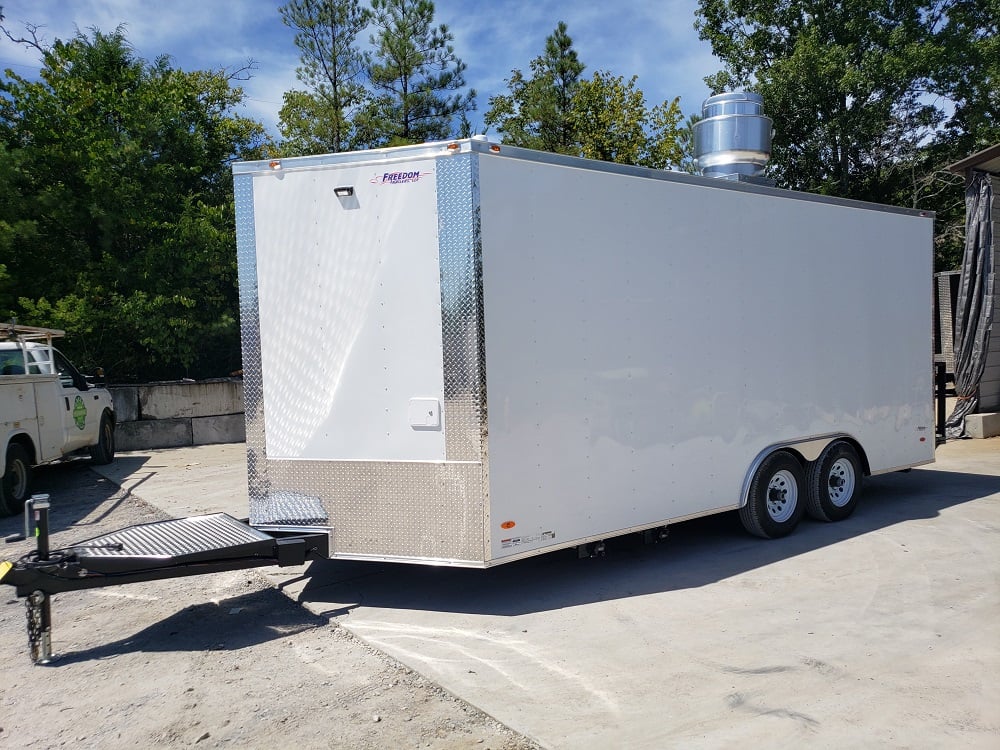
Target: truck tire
(834, 483)
(776, 501)
(104, 451)
(15, 485)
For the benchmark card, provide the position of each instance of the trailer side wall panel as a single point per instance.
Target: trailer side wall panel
(647, 339)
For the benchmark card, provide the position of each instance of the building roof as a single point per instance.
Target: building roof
(987, 160)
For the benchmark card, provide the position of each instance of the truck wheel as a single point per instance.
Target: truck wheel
(834, 483)
(775, 503)
(104, 451)
(16, 481)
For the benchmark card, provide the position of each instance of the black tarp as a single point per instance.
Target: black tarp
(974, 307)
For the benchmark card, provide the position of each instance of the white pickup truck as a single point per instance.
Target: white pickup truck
(48, 411)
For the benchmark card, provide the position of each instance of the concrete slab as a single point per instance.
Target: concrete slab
(230, 428)
(185, 481)
(153, 434)
(880, 630)
(126, 401)
(196, 399)
(983, 425)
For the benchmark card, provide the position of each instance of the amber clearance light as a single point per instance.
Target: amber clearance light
(507, 525)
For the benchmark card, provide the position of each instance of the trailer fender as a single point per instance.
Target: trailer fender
(806, 450)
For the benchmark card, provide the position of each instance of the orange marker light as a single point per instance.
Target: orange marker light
(507, 525)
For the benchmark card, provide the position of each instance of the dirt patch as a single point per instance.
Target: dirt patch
(222, 660)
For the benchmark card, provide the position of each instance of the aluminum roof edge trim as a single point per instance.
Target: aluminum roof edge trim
(396, 154)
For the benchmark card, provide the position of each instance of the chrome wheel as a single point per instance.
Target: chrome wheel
(782, 496)
(842, 481)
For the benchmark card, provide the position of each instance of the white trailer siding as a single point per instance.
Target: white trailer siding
(350, 323)
(508, 352)
(646, 340)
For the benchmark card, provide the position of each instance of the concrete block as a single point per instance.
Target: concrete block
(983, 425)
(126, 400)
(204, 399)
(229, 428)
(153, 433)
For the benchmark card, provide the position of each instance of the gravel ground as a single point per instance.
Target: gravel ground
(222, 660)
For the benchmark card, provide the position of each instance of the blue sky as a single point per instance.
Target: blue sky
(653, 39)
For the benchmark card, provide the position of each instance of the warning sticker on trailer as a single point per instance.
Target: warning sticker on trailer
(517, 541)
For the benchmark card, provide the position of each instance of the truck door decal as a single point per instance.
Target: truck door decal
(80, 412)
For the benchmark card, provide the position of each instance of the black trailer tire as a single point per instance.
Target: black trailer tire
(776, 500)
(15, 485)
(834, 483)
(104, 451)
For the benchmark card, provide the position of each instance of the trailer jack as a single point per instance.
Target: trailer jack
(148, 552)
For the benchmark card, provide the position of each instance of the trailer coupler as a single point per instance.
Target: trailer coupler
(147, 552)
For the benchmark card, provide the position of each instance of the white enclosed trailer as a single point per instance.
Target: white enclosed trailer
(467, 353)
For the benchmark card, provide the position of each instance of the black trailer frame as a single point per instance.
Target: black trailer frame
(147, 552)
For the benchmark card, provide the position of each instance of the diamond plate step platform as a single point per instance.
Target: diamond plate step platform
(179, 541)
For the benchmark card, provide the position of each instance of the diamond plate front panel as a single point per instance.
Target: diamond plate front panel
(396, 509)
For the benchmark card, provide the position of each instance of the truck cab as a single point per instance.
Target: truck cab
(48, 412)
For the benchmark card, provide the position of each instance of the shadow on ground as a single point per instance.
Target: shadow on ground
(227, 625)
(698, 553)
(77, 494)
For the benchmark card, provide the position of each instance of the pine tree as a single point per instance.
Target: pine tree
(319, 119)
(416, 78)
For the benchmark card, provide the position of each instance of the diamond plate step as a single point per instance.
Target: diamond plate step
(179, 541)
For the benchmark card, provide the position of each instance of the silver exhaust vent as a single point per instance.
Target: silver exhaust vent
(733, 138)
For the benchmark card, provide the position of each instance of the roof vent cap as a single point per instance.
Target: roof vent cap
(733, 137)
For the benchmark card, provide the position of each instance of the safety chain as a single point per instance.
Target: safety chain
(38, 639)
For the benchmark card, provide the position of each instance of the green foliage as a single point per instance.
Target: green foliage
(969, 74)
(119, 223)
(416, 78)
(537, 111)
(860, 91)
(319, 120)
(604, 117)
(611, 123)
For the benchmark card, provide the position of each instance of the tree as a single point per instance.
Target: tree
(536, 113)
(870, 99)
(319, 120)
(969, 74)
(604, 117)
(121, 230)
(842, 81)
(415, 75)
(611, 122)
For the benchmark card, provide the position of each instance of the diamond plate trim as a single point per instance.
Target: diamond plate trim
(253, 396)
(461, 258)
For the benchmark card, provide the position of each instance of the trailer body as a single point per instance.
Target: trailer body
(464, 353)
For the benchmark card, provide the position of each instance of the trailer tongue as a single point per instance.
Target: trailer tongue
(147, 552)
